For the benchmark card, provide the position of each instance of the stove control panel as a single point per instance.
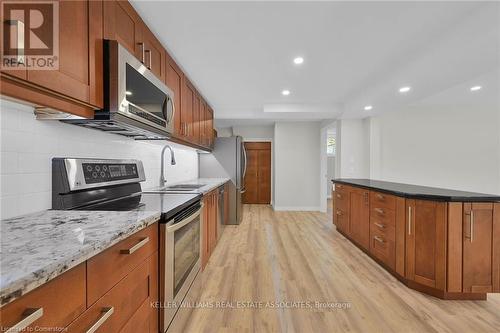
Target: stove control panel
(105, 172)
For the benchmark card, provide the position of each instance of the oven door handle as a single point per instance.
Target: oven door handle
(173, 227)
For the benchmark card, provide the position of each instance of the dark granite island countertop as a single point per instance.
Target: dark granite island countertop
(418, 192)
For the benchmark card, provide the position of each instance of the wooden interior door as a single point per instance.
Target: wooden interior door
(258, 175)
(478, 248)
(426, 243)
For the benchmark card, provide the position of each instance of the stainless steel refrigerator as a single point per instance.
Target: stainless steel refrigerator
(228, 159)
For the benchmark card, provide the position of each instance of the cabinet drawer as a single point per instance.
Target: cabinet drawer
(382, 247)
(382, 200)
(118, 305)
(385, 215)
(341, 200)
(62, 300)
(106, 269)
(383, 228)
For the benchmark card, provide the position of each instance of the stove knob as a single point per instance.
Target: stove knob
(103, 174)
(94, 174)
(97, 168)
(105, 168)
(89, 167)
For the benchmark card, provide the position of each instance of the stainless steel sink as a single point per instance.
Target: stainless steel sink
(177, 188)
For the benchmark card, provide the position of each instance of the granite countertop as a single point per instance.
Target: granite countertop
(418, 192)
(36, 248)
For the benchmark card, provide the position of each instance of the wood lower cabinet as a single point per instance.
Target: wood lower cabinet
(210, 230)
(480, 261)
(426, 243)
(112, 292)
(450, 250)
(359, 208)
(58, 302)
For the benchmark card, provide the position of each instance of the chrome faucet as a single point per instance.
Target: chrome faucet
(172, 162)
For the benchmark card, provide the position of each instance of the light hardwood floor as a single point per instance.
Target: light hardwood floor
(299, 257)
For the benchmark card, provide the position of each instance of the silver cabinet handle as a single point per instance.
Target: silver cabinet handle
(471, 225)
(148, 66)
(30, 316)
(381, 226)
(142, 52)
(136, 246)
(339, 196)
(339, 213)
(409, 220)
(380, 196)
(379, 210)
(106, 313)
(378, 239)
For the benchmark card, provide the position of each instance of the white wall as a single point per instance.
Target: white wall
(28, 145)
(353, 148)
(297, 166)
(254, 133)
(442, 147)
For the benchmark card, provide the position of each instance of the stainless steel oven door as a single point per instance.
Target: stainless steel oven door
(181, 262)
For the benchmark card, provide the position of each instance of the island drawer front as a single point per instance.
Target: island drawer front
(107, 268)
(380, 227)
(61, 299)
(382, 200)
(385, 215)
(382, 247)
(118, 305)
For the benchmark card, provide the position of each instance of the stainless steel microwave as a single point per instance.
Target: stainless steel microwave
(136, 103)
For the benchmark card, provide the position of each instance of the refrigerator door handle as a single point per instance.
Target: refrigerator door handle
(245, 168)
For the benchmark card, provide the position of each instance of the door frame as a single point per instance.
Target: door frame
(272, 161)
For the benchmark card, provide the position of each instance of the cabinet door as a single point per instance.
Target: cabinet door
(215, 212)
(196, 119)
(210, 127)
(478, 247)
(76, 45)
(205, 238)
(124, 25)
(360, 217)
(426, 243)
(154, 53)
(203, 123)
(173, 80)
(188, 94)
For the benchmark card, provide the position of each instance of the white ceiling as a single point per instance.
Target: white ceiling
(240, 54)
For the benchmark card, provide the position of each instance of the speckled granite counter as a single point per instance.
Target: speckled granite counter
(38, 247)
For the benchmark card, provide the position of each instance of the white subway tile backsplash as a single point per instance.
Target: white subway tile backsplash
(28, 146)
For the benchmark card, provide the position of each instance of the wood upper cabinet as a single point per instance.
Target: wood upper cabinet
(123, 25)
(426, 242)
(187, 110)
(79, 77)
(154, 54)
(174, 80)
(360, 216)
(196, 138)
(480, 262)
(203, 123)
(72, 77)
(210, 127)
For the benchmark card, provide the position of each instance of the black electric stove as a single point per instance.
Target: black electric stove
(111, 185)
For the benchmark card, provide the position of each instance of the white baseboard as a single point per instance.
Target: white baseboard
(296, 209)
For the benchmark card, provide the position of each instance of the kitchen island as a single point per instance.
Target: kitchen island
(445, 243)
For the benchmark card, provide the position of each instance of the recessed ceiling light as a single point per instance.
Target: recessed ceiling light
(128, 93)
(285, 92)
(298, 60)
(404, 89)
(475, 88)
(368, 107)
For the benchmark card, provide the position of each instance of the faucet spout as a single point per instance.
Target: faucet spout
(172, 162)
